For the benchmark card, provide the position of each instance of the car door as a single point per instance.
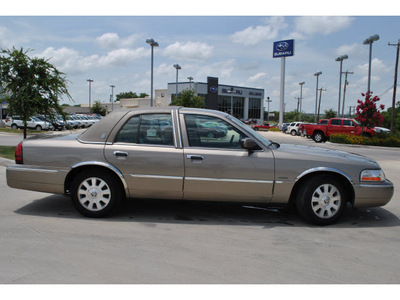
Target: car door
(217, 168)
(146, 152)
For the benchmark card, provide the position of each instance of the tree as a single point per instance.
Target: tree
(31, 85)
(97, 108)
(330, 113)
(367, 113)
(188, 98)
(127, 95)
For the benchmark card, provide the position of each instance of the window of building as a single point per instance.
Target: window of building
(254, 108)
(231, 105)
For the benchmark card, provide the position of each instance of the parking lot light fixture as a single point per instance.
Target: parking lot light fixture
(316, 96)
(340, 58)
(153, 44)
(177, 67)
(369, 41)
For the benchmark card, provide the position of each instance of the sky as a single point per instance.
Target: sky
(235, 45)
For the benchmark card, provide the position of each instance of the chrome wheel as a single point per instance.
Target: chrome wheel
(94, 194)
(326, 201)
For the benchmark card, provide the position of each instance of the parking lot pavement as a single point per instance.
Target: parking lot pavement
(44, 240)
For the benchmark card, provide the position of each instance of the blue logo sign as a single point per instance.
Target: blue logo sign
(213, 89)
(283, 48)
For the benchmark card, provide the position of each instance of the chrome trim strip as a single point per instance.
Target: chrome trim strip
(156, 176)
(322, 169)
(229, 180)
(174, 126)
(34, 170)
(102, 164)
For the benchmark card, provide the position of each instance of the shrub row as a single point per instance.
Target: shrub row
(386, 140)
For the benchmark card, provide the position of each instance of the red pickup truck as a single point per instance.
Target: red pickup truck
(321, 132)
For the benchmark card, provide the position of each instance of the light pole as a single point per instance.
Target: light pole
(112, 97)
(190, 81)
(268, 101)
(90, 94)
(153, 44)
(301, 97)
(177, 67)
(340, 58)
(369, 41)
(316, 96)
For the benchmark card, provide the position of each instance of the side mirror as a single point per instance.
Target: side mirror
(248, 143)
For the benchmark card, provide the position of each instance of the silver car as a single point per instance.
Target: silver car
(161, 153)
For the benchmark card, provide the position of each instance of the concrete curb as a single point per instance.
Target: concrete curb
(5, 162)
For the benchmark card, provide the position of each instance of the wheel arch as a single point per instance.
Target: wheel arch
(337, 174)
(95, 166)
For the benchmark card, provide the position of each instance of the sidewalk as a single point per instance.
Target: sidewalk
(5, 162)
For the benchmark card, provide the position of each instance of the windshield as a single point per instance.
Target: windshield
(250, 131)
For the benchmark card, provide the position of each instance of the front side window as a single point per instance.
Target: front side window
(153, 129)
(212, 132)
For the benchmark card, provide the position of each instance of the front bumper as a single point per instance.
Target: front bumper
(370, 195)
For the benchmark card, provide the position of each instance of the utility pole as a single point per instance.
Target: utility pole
(344, 90)
(395, 84)
(298, 104)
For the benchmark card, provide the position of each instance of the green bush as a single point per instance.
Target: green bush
(380, 139)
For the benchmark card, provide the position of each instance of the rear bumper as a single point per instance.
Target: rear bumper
(36, 179)
(369, 195)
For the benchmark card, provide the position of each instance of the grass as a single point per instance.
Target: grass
(7, 152)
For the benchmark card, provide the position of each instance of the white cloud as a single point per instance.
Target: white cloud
(257, 77)
(324, 25)
(255, 34)
(113, 41)
(70, 61)
(353, 50)
(191, 51)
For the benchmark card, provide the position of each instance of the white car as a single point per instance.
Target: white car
(294, 128)
(33, 123)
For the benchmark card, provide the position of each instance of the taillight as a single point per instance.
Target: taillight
(18, 154)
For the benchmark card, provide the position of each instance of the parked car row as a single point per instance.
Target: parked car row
(41, 122)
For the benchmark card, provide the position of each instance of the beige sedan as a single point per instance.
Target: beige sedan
(194, 154)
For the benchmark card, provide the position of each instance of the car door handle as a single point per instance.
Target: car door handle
(195, 157)
(120, 154)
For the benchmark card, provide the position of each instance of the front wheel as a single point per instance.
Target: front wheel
(95, 194)
(322, 200)
(319, 137)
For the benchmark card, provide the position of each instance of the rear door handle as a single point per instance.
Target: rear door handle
(195, 157)
(120, 154)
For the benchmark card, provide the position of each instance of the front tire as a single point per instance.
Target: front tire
(322, 200)
(96, 194)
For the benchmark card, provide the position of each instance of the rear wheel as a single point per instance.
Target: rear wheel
(294, 132)
(322, 200)
(95, 194)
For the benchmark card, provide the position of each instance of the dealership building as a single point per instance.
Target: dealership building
(242, 102)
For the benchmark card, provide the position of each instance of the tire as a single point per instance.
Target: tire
(96, 194)
(293, 133)
(322, 200)
(14, 126)
(319, 137)
(256, 129)
(38, 128)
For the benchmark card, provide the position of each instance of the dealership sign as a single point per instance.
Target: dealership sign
(283, 48)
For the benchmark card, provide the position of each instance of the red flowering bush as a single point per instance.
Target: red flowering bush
(367, 114)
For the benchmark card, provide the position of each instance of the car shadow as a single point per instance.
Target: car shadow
(207, 213)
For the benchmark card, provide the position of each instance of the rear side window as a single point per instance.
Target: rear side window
(336, 122)
(153, 129)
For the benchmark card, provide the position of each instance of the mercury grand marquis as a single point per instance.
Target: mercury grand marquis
(164, 153)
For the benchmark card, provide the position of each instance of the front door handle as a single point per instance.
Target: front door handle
(195, 157)
(120, 154)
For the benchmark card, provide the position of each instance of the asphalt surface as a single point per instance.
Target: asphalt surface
(44, 240)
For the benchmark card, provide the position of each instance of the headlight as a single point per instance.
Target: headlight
(372, 175)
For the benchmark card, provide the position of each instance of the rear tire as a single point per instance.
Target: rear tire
(96, 194)
(322, 200)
